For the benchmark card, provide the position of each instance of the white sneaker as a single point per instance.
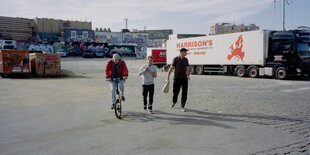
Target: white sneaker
(183, 109)
(150, 111)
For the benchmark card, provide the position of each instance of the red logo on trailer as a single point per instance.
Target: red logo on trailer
(237, 51)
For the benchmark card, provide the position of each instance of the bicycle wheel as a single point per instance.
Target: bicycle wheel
(118, 108)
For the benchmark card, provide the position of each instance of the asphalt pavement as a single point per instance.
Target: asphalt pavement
(225, 115)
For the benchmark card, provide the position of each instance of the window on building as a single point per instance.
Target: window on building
(73, 34)
(85, 34)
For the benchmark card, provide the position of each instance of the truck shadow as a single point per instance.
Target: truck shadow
(196, 117)
(242, 117)
(64, 74)
(177, 119)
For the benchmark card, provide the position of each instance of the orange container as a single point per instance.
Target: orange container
(14, 62)
(45, 64)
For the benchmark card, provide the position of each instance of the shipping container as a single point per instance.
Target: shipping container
(14, 62)
(45, 64)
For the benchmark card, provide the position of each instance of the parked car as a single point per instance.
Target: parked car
(110, 54)
(62, 53)
(88, 54)
(99, 54)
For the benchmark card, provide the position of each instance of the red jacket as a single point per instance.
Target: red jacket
(109, 68)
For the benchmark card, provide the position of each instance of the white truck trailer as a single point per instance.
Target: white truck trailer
(252, 53)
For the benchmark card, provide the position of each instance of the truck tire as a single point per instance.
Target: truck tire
(280, 73)
(240, 71)
(165, 68)
(253, 72)
(199, 70)
(192, 70)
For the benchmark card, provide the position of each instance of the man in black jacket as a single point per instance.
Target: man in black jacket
(181, 77)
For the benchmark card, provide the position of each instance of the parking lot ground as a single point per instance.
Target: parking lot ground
(225, 115)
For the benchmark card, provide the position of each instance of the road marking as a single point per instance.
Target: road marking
(298, 89)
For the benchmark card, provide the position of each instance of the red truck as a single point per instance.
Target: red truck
(159, 56)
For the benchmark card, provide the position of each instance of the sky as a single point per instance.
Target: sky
(183, 16)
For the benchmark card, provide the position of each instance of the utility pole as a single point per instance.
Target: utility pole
(126, 20)
(283, 13)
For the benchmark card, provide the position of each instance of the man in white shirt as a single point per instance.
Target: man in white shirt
(148, 72)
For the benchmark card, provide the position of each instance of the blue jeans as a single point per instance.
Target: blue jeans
(113, 89)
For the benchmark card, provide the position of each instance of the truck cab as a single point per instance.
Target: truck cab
(289, 53)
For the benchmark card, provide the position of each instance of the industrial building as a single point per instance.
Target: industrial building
(223, 28)
(13, 28)
(23, 29)
(53, 29)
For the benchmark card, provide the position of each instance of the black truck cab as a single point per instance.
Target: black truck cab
(290, 51)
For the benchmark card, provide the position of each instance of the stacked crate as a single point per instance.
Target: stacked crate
(45, 64)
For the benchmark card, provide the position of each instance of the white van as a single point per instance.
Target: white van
(7, 44)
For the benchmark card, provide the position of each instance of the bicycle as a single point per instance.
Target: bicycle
(118, 101)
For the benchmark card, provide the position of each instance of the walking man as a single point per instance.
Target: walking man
(181, 77)
(148, 72)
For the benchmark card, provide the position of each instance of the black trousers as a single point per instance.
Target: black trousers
(177, 84)
(148, 89)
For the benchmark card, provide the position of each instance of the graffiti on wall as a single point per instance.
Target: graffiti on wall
(135, 38)
(121, 38)
(79, 38)
(108, 37)
(156, 43)
(41, 47)
(141, 51)
(35, 47)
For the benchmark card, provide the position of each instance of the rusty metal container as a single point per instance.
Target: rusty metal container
(45, 64)
(14, 62)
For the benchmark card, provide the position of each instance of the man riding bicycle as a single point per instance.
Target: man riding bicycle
(116, 72)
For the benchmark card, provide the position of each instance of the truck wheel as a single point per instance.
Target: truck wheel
(253, 72)
(240, 71)
(192, 70)
(165, 68)
(280, 73)
(199, 70)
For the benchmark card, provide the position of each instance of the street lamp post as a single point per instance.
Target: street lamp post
(283, 15)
